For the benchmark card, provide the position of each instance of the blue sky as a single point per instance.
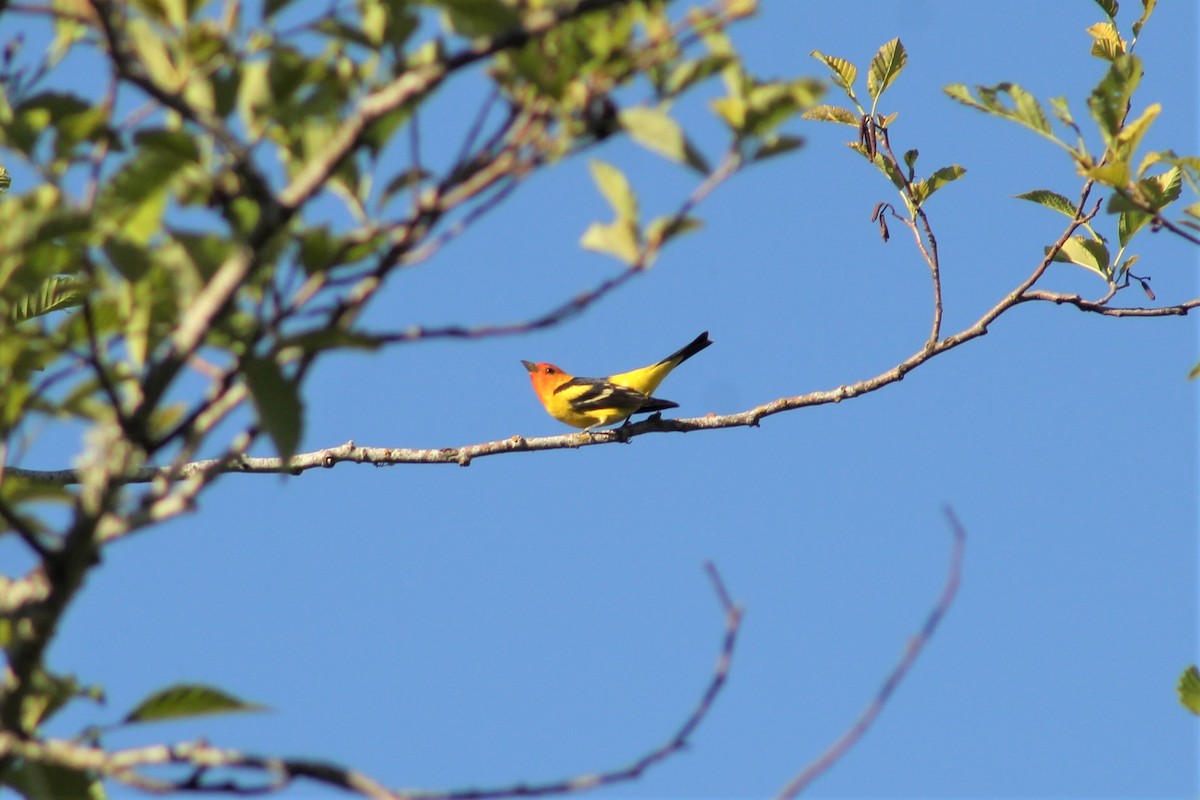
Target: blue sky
(537, 616)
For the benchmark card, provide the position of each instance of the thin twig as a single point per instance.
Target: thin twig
(414, 156)
(679, 741)
(123, 765)
(915, 645)
(1099, 307)
(930, 254)
(476, 128)
(728, 166)
(23, 529)
(463, 455)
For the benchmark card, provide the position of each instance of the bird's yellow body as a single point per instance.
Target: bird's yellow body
(591, 402)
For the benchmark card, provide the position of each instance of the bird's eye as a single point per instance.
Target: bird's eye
(549, 370)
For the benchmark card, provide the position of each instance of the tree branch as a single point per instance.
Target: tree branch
(463, 455)
(915, 645)
(1099, 307)
(276, 774)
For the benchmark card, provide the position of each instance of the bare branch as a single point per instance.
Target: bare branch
(678, 742)
(1099, 307)
(729, 165)
(463, 455)
(274, 774)
(24, 530)
(930, 253)
(851, 737)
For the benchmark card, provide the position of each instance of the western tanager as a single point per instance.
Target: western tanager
(588, 402)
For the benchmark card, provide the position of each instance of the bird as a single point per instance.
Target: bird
(591, 402)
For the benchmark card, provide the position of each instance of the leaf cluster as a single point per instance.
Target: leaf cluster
(213, 214)
(1143, 185)
(885, 67)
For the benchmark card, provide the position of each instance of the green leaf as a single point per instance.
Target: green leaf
(1115, 174)
(1107, 43)
(1157, 192)
(844, 73)
(131, 260)
(1109, 7)
(910, 160)
(655, 130)
(732, 110)
(1195, 373)
(960, 92)
(56, 292)
(618, 239)
(1132, 133)
(770, 104)
(187, 700)
(884, 165)
(273, 7)
(777, 145)
(1162, 190)
(319, 249)
(885, 66)
(615, 188)
(923, 190)
(477, 17)
(663, 229)
(38, 781)
(1147, 10)
(1025, 108)
(373, 20)
(332, 339)
(688, 73)
(206, 251)
(1028, 109)
(176, 146)
(71, 119)
(254, 97)
(1051, 200)
(824, 113)
(1087, 253)
(1129, 223)
(401, 25)
(67, 31)
(49, 693)
(152, 52)
(1109, 101)
(136, 196)
(1189, 682)
(277, 400)
(1059, 106)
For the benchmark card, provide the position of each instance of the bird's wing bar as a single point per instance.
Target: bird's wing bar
(595, 394)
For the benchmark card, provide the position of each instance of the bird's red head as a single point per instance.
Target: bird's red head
(545, 377)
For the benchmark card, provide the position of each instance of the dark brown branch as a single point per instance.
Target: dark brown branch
(577, 304)
(1099, 307)
(23, 528)
(915, 645)
(275, 774)
(679, 741)
(64, 570)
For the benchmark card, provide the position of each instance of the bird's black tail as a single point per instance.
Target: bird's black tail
(688, 350)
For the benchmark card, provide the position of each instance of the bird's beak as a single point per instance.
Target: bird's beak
(529, 365)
